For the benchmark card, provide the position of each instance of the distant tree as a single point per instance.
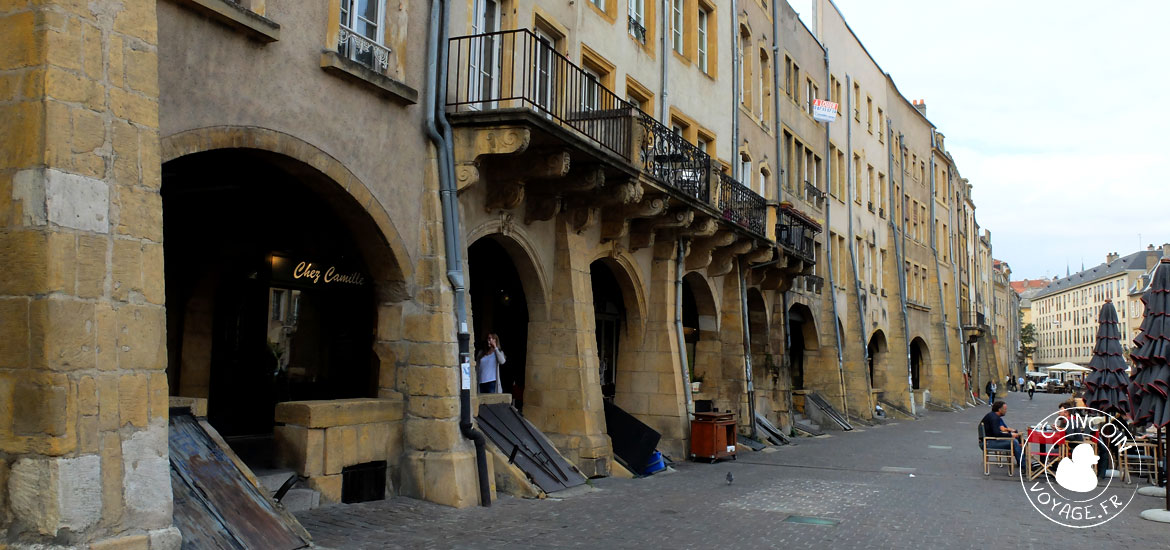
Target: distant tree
(1028, 339)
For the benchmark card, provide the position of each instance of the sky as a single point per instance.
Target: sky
(1056, 111)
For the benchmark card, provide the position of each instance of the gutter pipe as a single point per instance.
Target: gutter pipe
(854, 250)
(937, 262)
(832, 277)
(900, 246)
(437, 80)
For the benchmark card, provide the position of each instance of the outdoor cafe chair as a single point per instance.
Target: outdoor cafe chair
(1140, 459)
(996, 456)
(1042, 450)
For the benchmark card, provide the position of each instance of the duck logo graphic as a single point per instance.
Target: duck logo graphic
(1076, 473)
(1064, 466)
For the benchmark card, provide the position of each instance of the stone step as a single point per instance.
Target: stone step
(272, 479)
(301, 499)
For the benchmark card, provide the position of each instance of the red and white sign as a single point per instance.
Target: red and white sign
(824, 111)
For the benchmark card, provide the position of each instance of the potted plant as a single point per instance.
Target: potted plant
(697, 383)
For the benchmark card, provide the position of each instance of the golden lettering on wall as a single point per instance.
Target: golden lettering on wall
(313, 273)
(306, 270)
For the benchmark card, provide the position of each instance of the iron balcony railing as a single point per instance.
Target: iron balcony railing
(797, 233)
(637, 29)
(364, 50)
(675, 162)
(517, 69)
(741, 205)
(812, 195)
(510, 69)
(814, 283)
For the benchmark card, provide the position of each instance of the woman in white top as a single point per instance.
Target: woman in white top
(488, 363)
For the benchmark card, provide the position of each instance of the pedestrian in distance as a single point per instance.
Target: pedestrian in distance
(1031, 389)
(990, 391)
(488, 362)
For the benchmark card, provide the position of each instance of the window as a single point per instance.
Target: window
(590, 90)
(600, 4)
(485, 54)
(869, 113)
(788, 79)
(745, 72)
(702, 39)
(857, 178)
(639, 96)
(881, 126)
(811, 94)
(857, 102)
(361, 21)
(881, 193)
(763, 190)
(765, 81)
(872, 187)
(745, 166)
(676, 25)
(545, 48)
(637, 16)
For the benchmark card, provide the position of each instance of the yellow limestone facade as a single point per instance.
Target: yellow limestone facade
(641, 207)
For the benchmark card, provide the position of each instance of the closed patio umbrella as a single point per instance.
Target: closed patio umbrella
(1107, 386)
(1150, 390)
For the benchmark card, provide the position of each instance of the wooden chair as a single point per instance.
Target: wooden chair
(998, 457)
(1036, 461)
(1140, 459)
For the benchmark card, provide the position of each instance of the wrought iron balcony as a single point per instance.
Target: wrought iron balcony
(741, 205)
(813, 195)
(516, 70)
(814, 283)
(796, 233)
(364, 50)
(675, 162)
(511, 69)
(637, 29)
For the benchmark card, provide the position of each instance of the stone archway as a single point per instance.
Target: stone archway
(919, 364)
(507, 298)
(700, 330)
(878, 351)
(276, 281)
(802, 339)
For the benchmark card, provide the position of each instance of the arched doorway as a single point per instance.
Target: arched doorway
(919, 358)
(877, 351)
(801, 338)
(499, 305)
(700, 331)
(273, 275)
(610, 323)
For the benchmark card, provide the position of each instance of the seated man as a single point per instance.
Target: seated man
(1076, 432)
(994, 426)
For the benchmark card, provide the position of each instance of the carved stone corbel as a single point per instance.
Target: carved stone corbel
(615, 221)
(472, 143)
(723, 259)
(466, 175)
(535, 166)
(760, 256)
(701, 228)
(581, 219)
(541, 208)
(586, 179)
(642, 232)
(699, 256)
(503, 194)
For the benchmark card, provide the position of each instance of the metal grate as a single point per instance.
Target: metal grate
(363, 482)
(809, 520)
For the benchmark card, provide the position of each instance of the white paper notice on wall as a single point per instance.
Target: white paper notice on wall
(465, 375)
(824, 111)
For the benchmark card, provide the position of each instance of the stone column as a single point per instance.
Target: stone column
(83, 388)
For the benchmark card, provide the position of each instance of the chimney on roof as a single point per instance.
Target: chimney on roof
(1111, 257)
(1151, 247)
(1166, 250)
(920, 104)
(1151, 258)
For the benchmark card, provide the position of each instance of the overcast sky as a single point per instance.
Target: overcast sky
(1056, 111)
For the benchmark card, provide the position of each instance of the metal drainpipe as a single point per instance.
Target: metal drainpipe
(682, 346)
(900, 246)
(736, 84)
(852, 251)
(664, 105)
(832, 278)
(747, 346)
(782, 163)
(937, 262)
(958, 294)
(437, 80)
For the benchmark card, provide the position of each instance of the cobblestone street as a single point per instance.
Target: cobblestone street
(901, 485)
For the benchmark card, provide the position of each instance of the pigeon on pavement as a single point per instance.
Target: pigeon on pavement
(730, 478)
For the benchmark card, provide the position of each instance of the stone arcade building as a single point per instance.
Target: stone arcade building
(235, 206)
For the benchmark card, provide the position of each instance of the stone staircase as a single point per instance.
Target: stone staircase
(799, 420)
(297, 499)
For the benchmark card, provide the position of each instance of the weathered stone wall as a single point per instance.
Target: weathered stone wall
(83, 432)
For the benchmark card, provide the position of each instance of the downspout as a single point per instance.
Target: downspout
(782, 163)
(853, 252)
(747, 346)
(937, 262)
(955, 272)
(678, 324)
(664, 105)
(899, 247)
(736, 84)
(437, 80)
(832, 276)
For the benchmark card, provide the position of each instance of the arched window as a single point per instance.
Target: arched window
(765, 87)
